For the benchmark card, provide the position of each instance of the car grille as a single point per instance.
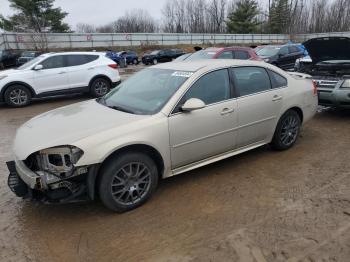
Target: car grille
(326, 83)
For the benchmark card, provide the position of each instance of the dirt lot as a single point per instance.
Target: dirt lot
(260, 206)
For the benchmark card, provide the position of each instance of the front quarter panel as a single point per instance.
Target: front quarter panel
(152, 131)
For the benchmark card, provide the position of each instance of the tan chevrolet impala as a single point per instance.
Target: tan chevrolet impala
(163, 121)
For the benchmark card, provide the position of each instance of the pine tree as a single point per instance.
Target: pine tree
(243, 18)
(279, 17)
(35, 16)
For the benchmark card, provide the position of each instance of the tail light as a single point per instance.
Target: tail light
(114, 66)
(314, 87)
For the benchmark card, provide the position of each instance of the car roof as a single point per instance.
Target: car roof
(193, 66)
(74, 53)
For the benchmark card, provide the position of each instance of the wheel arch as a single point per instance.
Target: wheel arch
(140, 148)
(299, 112)
(3, 90)
(100, 76)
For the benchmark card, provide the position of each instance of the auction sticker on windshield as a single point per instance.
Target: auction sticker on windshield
(182, 74)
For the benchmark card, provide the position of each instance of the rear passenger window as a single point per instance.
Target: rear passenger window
(277, 80)
(76, 60)
(226, 55)
(251, 80)
(242, 55)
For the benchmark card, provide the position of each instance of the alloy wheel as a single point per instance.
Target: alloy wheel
(101, 87)
(131, 183)
(290, 130)
(18, 97)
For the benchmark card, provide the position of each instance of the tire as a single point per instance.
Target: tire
(99, 87)
(121, 192)
(287, 131)
(155, 61)
(135, 62)
(17, 96)
(2, 66)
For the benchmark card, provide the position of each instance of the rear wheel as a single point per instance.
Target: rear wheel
(99, 87)
(128, 181)
(287, 131)
(135, 62)
(17, 96)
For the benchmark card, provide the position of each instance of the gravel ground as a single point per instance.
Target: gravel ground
(259, 206)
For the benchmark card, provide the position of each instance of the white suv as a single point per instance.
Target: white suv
(56, 74)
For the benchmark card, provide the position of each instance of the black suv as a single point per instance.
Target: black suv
(282, 56)
(26, 56)
(8, 58)
(161, 56)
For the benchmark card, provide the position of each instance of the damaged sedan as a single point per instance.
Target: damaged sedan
(163, 121)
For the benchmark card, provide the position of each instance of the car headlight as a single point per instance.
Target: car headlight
(346, 84)
(2, 77)
(59, 160)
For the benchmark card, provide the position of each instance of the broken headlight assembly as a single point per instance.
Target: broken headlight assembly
(346, 83)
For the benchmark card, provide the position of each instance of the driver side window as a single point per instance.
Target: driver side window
(284, 51)
(211, 88)
(53, 62)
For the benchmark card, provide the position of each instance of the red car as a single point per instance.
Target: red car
(242, 53)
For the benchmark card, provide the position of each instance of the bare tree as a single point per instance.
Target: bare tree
(85, 28)
(217, 15)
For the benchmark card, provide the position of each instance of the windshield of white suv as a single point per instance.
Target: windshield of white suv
(268, 51)
(30, 63)
(146, 92)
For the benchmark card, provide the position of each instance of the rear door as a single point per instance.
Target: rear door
(80, 69)
(53, 76)
(258, 105)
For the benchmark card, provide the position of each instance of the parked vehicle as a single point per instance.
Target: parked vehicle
(161, 56)
(27, 56)
(282, 56)
(116, 57)
(56, 74)
(130, 56)
(302, 63)
(8, 58)
(329, 65)
(241, 53)
(163, 121)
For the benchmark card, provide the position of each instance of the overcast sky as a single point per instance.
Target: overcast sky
(99, 12)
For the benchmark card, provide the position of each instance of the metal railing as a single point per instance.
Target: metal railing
(52, 41)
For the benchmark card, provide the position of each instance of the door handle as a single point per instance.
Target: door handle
(276, 98)
(226, 111)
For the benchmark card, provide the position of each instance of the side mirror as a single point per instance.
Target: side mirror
(193, 104)
(38, 67)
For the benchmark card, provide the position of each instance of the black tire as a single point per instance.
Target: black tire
(135, 62)
(17, 96)
(99, 87)
(287, 131)
(155, 61)
(121, 181)
(2, 66)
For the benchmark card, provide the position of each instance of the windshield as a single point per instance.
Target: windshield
(30, 63)
(203, 54)
(268, 51)
(146, 92)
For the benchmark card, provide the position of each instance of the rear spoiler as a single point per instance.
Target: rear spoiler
(300, 75)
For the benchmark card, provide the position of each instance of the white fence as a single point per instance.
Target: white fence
(75, 41)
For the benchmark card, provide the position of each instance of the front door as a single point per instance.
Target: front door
(206, 132)
(52, 77)
(258, 105)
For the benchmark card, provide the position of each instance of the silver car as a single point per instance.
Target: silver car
(163, 121)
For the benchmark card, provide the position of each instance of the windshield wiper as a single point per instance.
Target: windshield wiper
(119, 108)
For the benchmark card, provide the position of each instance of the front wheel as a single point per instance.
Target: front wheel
(128, 181)
(99, 87)
(287, 131)
(17, 96)
(155, 61)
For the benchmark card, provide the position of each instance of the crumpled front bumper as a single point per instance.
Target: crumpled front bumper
(27, 184)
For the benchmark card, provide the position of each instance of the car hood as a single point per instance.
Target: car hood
(9, 72)
(66, 125)
(328, 48)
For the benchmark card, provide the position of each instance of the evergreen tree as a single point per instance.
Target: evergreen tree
(243, 18)
(35, 16)
(279, 17)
